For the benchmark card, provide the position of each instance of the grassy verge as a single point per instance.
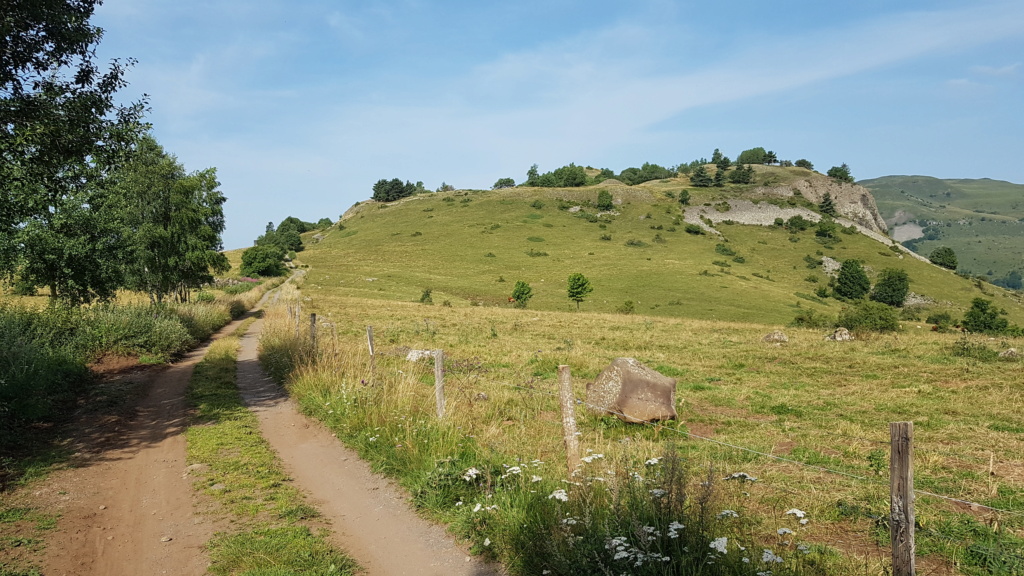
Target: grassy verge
(817, 403)
(236, 467)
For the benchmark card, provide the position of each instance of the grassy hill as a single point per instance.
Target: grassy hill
(470, 247)
(981, 220)
(702, 303)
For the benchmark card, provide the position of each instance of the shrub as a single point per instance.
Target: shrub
(965, 348)
(521, 294)
(263, 260)
(425, 297)
(943, 321)
(606, 237)
(537, 204)
(892, 287)
(636, 243)
(798, 223)
(985, 318)
(694, 229)
(205, 297)
(604, 201)
(724, 250)
(870, 316)
(811, 318)
(739, 259)
(943, 256)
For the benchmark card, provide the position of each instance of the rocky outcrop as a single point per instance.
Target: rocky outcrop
(852, 202)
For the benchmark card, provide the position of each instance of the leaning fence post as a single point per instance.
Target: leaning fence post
(572, 442)
(312, 331)
(901, 497)
(369, 344)
(439, 382)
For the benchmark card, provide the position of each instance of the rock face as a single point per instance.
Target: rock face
(851, 201)
(776, 337)
(840, 335)
(633, 393)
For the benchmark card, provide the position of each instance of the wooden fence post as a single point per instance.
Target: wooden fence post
(312, 331)
(373, 357)
(901, 497)
(572, 441)
(298, 318)
(439, 382)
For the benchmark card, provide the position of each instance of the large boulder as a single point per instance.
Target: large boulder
(633, 393)
(840, 335)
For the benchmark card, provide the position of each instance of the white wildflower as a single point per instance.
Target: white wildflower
(477, 507)
(741, 476)
(559, 494)
(674, 528)
(470, 474)
(784, 531)
(535, 478)
(652, 461)
(719, 544)
(796, 512)
(590, 458)
(487, 541)
(728, 514)
(769, 557)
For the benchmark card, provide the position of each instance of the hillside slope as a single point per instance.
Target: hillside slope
(470, 247)
(981, 220)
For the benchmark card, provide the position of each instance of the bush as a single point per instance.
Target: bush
(537, 204)
(943, 321)
(694, 229)
(852, 282)
(965, 348)
(798, 223)
(724, 250)
(985, 318)
(627, 307)
(263, 261)
(811, 318)
(204, 297)
(944, 256)
(636, 243)
(870, 316)
(892, 287)
(425, 296)
(604, 201)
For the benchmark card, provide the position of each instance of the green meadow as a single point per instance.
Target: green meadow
(809, 419)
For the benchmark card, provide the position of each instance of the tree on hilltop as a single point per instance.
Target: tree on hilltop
(700, 177)
(804, 163)
(752, 156)
(840, 174)
(503, 183)
(391, 190)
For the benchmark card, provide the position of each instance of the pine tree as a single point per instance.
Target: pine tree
(852, 281)
(827, 206)
(700, 177)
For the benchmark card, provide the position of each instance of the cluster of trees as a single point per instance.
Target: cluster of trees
(570, 176)
(394, 189)
(891, 286)
(276, 244)
(89, 202)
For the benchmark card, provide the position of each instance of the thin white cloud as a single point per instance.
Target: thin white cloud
(1008, 70)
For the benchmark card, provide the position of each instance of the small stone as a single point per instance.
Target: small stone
(103, 507)
(775, 337)
(166, 539)
(218, 487)
(110, 537)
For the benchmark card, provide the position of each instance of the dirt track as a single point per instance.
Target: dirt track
(128, 508)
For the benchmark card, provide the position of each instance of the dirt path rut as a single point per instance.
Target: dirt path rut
(372, 521)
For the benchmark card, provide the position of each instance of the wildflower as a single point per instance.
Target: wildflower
(487, 541)
(477, 507)
(657, 492)
(590, 458)
(652, 461)
(741, 476)
(803, 520)
(373, 438)
(728, 514)
(784, 531)
(535, 478)
(674, 528)
(559, 494)
(796, 512)
(719, 544)
(769, 557)
(470, 474)
(569, 521)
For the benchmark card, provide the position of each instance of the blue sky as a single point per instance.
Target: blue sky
(302, 105)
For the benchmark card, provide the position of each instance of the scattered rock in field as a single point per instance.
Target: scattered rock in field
(840, 335)
(633, 392)
(218, 487)
(166, 539)
(196, 469)
(1009, 353)
(830, 266)
(104, 507)
(917, 300)
(417, 355)
(776, 337)
(575, 209)
(481, 396)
